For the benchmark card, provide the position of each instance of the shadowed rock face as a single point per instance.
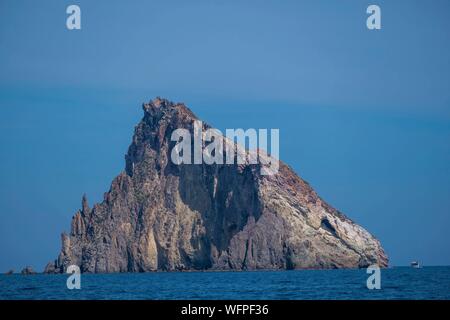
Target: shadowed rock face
(162, 216)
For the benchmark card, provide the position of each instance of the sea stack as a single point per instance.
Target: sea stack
(158, 215)
(27, 271)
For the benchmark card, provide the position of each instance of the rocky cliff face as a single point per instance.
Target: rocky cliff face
(161, 216)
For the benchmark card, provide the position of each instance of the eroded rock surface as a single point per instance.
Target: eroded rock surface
(162, 216)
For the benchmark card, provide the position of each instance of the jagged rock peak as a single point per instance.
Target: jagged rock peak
(162, 216)
(163, 106)
(85, 210)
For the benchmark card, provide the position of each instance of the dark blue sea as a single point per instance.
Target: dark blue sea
(396, 283)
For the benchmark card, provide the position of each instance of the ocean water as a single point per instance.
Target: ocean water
(396, 283)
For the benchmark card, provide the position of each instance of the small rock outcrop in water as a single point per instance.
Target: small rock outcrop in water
(162, 216)
(52, 267)
(27, 271)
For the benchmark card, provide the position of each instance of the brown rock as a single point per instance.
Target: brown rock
(162, 216)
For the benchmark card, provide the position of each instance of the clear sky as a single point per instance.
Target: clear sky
(364, 116)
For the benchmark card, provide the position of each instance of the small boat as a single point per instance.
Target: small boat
(415, 264)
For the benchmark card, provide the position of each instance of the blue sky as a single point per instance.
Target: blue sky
(364, 116)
